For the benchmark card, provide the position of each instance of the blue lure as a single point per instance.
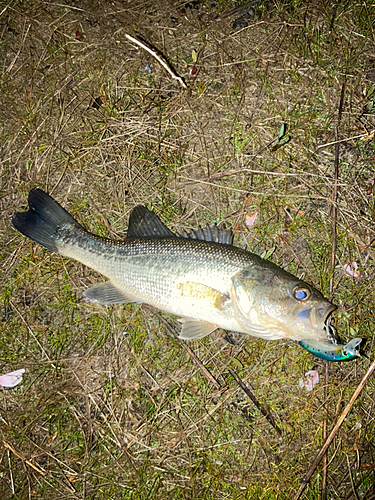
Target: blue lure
(326, 349)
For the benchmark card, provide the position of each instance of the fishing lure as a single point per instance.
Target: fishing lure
(330, 351)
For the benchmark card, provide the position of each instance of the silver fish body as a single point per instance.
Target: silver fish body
(209, 284)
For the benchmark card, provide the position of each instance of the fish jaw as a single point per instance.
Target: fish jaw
(267, 305)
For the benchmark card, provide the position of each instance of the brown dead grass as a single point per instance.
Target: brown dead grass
(111, 406)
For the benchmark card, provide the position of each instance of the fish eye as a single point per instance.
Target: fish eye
(301, 293)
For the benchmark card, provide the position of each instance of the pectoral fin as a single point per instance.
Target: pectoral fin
(107, 294)
(192, 329)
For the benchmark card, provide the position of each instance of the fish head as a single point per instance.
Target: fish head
(277, 305)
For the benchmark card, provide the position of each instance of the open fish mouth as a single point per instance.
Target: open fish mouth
(318, 318)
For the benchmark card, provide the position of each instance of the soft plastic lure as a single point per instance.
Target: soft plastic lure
(332, 352)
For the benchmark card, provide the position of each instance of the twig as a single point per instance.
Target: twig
(263, 411)
(330, 438)
(334, 211)
(333, 17)
(335, 187)
(324, 432)
(159, 57)
(193, 356)
(338, 141)
(333, 259)
(351, 479)
(24, 459)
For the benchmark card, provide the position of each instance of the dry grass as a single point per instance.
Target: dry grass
(111, 406)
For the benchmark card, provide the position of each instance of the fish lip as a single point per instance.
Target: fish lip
(320, 316)
(325, 312)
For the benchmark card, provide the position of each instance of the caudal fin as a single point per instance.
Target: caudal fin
(43, 219)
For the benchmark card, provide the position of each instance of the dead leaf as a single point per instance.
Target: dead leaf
(369, 136)
(367, 246)
(295, 209)
(371, 183)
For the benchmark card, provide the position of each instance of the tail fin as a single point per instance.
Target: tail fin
(43, 219)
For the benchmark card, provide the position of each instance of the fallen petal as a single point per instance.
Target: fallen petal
(310, 380)
(250, 219)
(351, 270)
(11, 379)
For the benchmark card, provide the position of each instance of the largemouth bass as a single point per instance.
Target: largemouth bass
(199, 276)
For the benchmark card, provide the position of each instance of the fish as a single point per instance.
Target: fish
(198, 275)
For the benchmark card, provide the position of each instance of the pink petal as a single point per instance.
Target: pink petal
(310, 380)
(11, 379)
(250, 218)
(351, 270)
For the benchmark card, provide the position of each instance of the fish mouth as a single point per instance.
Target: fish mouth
(318, 317)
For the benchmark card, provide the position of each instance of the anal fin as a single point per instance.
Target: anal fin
(107, 294)
(193, 329)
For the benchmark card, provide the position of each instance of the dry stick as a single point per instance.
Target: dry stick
(23, 459)
(330, 438)
(335, 187)
(324, 433)
(334, 212)
(333, 259)
(193, 356)
(263, 411)
(159, 57)
(351, 479)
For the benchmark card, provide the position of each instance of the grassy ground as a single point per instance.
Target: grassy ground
(111, 406)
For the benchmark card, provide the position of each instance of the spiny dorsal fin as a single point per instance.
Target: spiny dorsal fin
(144, 223)
(210, 233)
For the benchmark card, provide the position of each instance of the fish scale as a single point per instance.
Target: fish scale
(150, 269)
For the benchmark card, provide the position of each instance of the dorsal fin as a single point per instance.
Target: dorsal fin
(210, 233)
(144, 223)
